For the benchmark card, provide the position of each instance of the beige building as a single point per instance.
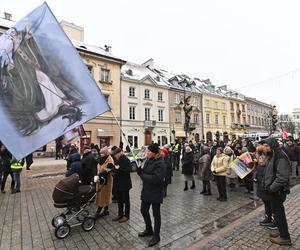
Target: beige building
(144, 105)
(106, 70)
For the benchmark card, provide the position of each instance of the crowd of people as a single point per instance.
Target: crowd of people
(274, 162)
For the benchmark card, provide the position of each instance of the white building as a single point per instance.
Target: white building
(144, 105)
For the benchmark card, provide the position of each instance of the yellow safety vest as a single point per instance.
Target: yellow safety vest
(176, 148)
(16, 166)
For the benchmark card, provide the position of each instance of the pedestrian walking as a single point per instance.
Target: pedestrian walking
(204, 172)
(6, 158)
(29, 161)
(176, 155)
(188, 168)
(152, 175)
(219, 167)
(122, 184)
(169, 170)
(16, 168)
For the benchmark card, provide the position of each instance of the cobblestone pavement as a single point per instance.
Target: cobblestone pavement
(186, 217)
(247, 234)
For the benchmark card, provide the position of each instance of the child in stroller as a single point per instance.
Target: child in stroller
(69, 193)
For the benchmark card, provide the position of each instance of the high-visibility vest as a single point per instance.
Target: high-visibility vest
(16, 166)
(176, 148)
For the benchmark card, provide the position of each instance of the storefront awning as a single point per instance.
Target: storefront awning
(102, 132)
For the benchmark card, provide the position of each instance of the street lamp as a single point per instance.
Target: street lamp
(187, 108)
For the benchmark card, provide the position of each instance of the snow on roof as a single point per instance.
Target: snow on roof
(6, 23)
(139, 71)
(94, 49)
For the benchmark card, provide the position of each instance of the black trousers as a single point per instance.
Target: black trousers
(277, 207)
(206, 186)
(4, 178)
(123, 201)
(176, 159)
(268, 208)
(221, 185)
(145, 206)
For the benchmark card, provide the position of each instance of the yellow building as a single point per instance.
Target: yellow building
(106, 70)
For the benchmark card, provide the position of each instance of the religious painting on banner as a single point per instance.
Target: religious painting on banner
(45, 88)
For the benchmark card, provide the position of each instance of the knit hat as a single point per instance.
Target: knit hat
(115, 151)
(228, 150)
(154, 148)
(104, 151)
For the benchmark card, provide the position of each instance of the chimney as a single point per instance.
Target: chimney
(107, 48)
(149, 63)
(7, 16)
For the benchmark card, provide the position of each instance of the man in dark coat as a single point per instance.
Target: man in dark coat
(122, 184)
(88, 166)
(6, 157)
(276, 183)
(188, 167)
(293, 153)
(152, 175)
(74, 161)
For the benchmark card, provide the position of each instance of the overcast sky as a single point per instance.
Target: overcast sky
(252, 46)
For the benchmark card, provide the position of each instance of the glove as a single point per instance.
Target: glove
(139, 171)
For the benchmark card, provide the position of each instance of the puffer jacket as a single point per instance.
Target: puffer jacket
(219, 165)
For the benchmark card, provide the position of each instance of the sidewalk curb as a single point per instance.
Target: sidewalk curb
(230, 227)
(51, 174)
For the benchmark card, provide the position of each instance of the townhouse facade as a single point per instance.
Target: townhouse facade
(144, 105)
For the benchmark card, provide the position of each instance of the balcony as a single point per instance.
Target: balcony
(150, 124)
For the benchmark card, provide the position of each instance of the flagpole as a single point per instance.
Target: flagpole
(123, 134)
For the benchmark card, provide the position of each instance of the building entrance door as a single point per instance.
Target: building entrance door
(104, 141)
(148, 138)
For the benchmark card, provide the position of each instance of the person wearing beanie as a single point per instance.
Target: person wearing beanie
(276, 183)
(219, 167)
(188, 168)
(122, 184)
(152, 175)
(104, 191)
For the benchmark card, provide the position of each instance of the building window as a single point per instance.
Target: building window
(131, 91)
(162, 140)
(147, 114)
(243, 108)
(239, 120)
(147, 94)
(249, 119)
(133, 141)
(207, 103)
(195, 101)
(216, 105)
(216, 119)
(244, 120)
(237, 106)
(231, 106)
(232, 119)
(132, 112)
(196, 118)
(223, 105)
(253, 120)
(177, 117)
(160, 96)
(105, 75)
(160, 115)
(256, 121)
(207, 119)
(177, 99)
(224, 120)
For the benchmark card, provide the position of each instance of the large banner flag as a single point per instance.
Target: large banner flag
(45, 88)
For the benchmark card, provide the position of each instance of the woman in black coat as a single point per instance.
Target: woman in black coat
(169, 170)
(188, 167)
(122, 184)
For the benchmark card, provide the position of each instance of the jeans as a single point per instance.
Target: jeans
(176, 160)
(295, 169)
(17, 178)
(277, 207)
(145, 206)
(123, 200)
(221, 184)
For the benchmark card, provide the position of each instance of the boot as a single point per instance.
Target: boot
(193, 185)
(154, 241)
(274, 234)
(266, 221)
(186, 186)
(145, 233)
(281, 241)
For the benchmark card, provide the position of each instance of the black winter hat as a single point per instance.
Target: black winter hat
(154, 148)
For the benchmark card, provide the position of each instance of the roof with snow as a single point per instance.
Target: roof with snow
(5, 23)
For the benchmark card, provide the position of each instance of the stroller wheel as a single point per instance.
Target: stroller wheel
(62, 231)
(58, 219)
(88, 223)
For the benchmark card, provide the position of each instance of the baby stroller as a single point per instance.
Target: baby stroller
(76, 198)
